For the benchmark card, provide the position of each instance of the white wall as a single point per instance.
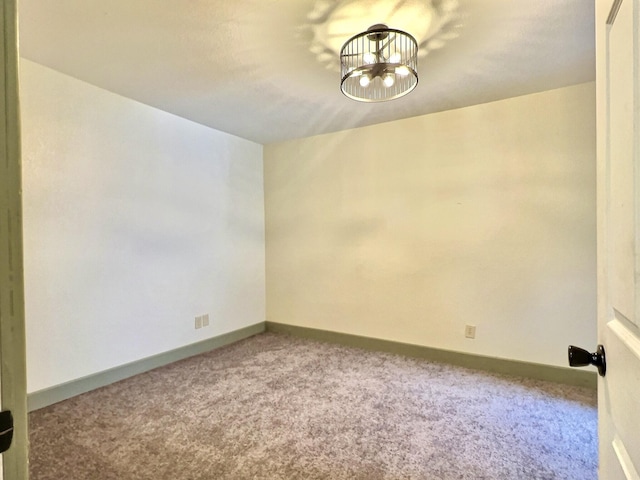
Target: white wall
(135, 221)
(409, 230)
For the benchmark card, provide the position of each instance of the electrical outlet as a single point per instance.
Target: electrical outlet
(205, 320)
(198, 322)
(470, 331)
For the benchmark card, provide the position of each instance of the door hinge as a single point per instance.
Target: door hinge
(6, 430)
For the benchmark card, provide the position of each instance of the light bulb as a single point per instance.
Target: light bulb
(389, 79)
(365, 80)
(395, 58)
(369, 58)
(403, 71)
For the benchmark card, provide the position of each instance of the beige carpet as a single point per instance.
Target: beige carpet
(278, 407)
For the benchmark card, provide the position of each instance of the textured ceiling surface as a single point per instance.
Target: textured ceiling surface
(267, 71)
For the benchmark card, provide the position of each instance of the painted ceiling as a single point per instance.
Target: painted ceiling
(268, 70)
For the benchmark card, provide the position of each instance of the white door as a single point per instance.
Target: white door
(618, 97)
(12, 338)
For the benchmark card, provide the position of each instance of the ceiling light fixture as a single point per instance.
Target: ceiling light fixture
(379, 64)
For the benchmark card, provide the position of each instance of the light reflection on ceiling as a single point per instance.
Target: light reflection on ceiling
(332, 22)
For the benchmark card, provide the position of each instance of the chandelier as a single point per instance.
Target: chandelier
(379, 64)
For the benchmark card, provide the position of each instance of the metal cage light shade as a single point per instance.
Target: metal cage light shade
(379, 64)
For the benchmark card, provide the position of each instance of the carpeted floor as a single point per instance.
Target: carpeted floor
(277, 407)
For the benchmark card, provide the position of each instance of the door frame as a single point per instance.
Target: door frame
(12, 319)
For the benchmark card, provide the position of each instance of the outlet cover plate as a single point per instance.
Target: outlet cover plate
(470, 331)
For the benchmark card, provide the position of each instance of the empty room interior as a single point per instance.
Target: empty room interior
(194, 180)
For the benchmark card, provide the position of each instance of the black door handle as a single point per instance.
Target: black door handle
(579, 357)
(6, 430)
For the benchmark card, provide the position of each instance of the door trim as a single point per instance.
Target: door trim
(12, 329)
